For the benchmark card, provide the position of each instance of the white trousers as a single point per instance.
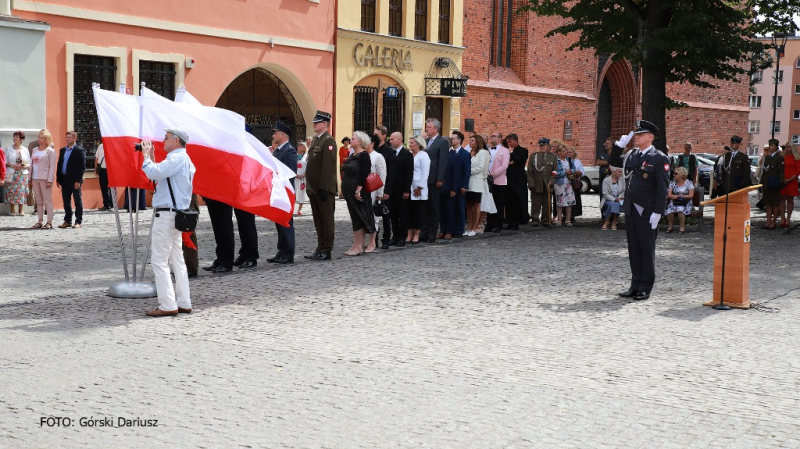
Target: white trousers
(167, 251)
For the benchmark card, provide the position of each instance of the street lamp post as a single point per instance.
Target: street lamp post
(776, 38)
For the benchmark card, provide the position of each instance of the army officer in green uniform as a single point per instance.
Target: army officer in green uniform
(321, 184)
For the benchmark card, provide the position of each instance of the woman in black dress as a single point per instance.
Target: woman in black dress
(354, 176)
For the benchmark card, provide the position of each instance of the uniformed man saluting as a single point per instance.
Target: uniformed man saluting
(647, 172)
(321, 185)
(735, 167)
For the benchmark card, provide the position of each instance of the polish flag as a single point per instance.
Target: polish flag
(232, 165)
(118, 116)
(229, 168)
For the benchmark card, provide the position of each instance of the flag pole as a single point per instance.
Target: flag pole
(147, 248)
(132, 287)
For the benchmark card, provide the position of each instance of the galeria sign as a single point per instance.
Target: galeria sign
(386, 57)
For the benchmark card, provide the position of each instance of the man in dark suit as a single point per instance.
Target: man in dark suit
(69, 176)
(400, 194)
(321, 185)
(466, 169)
(647, 171)
(388, 153)
(453, 188)
(221, 216)
(287, 154)
(248, 234)
(438, 152)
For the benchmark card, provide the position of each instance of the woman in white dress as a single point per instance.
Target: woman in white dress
(300, 195)
(378, 165)
(479, 169)
(418, 206)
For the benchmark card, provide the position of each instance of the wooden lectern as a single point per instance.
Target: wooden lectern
(737, 253)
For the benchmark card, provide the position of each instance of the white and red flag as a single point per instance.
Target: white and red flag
(228, 168)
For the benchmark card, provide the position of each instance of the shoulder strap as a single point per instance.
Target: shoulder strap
(169, 184)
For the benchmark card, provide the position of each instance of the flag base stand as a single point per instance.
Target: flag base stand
(132, 290)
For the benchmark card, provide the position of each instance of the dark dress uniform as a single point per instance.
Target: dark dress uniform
(540, 174)
(772, 179)
(321, 186)
(646, 191)
(736, 171)
(287, 154)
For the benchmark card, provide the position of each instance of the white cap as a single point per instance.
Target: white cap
(178, 132)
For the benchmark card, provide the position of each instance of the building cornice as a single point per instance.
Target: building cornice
(503, 85)
(143, 22)
(399, 41)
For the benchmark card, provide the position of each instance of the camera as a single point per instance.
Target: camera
(137, 147)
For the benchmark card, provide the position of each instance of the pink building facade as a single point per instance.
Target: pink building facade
(268, 60)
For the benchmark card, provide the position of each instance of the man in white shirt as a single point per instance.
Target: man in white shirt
(173, 192)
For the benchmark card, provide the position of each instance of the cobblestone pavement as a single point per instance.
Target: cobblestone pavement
(516, 340)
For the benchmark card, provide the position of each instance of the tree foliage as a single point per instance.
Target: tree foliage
(673, 41)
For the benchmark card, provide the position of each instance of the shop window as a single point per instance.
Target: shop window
(368, 15)
(434, 108)
(421, 20)
(394, 100)
(158, 77)
(396, 17)
(365, 108)
(88, 70)
(502, 19)
(444, 21)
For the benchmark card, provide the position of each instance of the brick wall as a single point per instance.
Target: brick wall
(542, 64)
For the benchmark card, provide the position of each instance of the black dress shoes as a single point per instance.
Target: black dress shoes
(312, 256)
(247, 264)
(221, 269)
(280, 260)
(630, 293)
(192, 275)
(239, 261)
(385, 246)
(211, 267)
(395, 243)
(400, 243)
(641, 296)
(497, 230)
(431, 240)
(323, 256)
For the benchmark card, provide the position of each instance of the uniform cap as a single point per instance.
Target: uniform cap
(279, 126)
(544, 141)
(643, 126)
(736, 139)
(322, 117)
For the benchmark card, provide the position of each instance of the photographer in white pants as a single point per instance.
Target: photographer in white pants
(166, 239)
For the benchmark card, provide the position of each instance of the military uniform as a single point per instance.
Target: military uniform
(736, 171)
(321, 186)
(647, 174)
(540, 175)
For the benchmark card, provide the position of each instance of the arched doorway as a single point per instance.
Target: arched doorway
(263, 99)
(616, 101)
(379, 100)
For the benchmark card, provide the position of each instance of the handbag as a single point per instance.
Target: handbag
(373, 183)
(680, 201)
(576, 183)
(380, 209)
(186, 219)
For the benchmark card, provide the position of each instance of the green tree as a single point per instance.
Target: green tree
(673, 41)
